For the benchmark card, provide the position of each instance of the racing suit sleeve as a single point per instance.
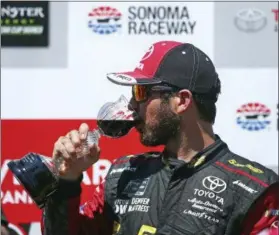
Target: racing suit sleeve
(63, 214)
(263, 216)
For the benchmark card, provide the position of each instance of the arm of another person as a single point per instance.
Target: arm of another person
(63, 214)
(263, 217)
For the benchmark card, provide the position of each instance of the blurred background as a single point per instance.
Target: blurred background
(55, 55)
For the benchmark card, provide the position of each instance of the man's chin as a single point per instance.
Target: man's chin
(148, 142)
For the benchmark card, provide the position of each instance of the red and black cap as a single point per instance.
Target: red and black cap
(179, 64)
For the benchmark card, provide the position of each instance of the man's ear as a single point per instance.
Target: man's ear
(184, 100)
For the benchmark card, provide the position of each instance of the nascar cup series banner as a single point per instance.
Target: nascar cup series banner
(55, 56)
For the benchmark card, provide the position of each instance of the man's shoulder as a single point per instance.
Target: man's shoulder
(131, 163)
(245, 168)
(136, 157)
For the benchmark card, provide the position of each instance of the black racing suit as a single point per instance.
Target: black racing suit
(218, 192)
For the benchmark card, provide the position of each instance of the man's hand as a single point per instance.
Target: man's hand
(69, 150)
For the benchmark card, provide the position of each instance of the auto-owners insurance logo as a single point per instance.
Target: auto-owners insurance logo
(213, 202)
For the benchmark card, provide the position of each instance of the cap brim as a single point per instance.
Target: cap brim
(132, 78)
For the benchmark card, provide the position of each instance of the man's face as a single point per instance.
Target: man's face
(159, 123)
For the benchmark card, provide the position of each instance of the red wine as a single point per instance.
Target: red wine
(115, 128)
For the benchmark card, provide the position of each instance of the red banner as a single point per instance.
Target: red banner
(22, 136)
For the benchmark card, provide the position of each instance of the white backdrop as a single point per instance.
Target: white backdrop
(78, 90)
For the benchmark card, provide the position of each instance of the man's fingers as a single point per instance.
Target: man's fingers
(65, 148)
(83, 130)
(94, 151)
(70, 154)
(75, 138)
(61, 151)
(56, 150)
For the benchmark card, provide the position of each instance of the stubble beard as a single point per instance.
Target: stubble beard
(167, 127)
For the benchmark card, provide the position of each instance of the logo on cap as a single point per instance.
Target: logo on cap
(121, 78)
(253, 116)
(148, 53)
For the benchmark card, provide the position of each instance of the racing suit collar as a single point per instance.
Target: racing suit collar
(211, 153)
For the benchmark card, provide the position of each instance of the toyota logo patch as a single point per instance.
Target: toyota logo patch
(214, 184)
